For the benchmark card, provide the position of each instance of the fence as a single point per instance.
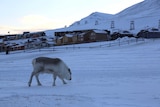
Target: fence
(118, 42)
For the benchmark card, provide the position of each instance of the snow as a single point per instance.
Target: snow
(100, 31)
(125, 75)
(69, 35)
(120, 73)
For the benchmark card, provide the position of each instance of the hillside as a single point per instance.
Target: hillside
(92, 18)
(144, 14)
(147, 8)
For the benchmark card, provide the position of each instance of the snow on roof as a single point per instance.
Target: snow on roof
(50, 33)
(17, 41)
(99, 31)
(81, 34)
(60, 37)
(153, 30)
(69, 35)
(1, 40)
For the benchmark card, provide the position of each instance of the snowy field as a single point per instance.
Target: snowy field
(107, 76)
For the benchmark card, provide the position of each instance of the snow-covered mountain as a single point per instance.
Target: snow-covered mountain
(144, 14)
(147, 8)
(94, 18)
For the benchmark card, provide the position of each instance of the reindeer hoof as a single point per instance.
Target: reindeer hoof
(29, 84)
(39, 84)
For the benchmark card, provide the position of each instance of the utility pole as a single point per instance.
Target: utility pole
(112, 25)
(96, 22)
(132, 27)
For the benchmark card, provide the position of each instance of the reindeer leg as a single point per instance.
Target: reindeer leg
(54, 79)
(60, 77)
(63, 81)
(38, 82)
(30, 80)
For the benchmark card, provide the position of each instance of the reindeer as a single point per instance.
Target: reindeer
(53, 66)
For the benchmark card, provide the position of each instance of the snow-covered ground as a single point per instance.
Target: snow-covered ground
(107, 76)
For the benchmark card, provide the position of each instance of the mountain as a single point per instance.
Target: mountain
(93, 18)
(144, 14)
(147, 8)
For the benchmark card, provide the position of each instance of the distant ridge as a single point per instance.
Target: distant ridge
(142, 9)
(92, 18)
(144, 14)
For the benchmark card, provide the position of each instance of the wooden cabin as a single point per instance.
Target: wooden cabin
(75, 39)
(34, 34)
(93, 36)
(59, 41)
(99, 35)
(81, 36)
(67, 39)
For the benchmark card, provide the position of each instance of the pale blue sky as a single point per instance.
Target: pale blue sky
(33, 15)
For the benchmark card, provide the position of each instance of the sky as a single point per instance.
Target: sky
(18, 16)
